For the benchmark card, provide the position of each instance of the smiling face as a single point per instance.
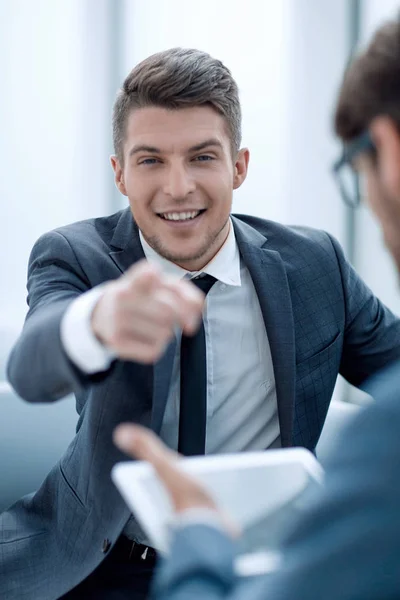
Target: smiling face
(179, 176)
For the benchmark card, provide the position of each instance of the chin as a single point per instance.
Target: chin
(185, 258)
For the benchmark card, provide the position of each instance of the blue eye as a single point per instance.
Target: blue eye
(204, 158)
(149, 161)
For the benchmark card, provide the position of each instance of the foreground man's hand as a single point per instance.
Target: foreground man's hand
(137, 313)
(185, 491)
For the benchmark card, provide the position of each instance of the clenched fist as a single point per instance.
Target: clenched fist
(137, 313)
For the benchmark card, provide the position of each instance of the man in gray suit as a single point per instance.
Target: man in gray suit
(285, 313)
(347, 545)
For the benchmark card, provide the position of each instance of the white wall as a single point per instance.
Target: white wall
(318, 45)
(54, 138)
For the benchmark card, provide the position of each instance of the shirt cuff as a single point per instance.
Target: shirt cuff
(197, 516)
(77, 337)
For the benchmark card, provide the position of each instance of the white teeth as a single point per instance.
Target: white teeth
(182, 216)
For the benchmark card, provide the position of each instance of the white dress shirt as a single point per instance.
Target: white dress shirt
(242, 410)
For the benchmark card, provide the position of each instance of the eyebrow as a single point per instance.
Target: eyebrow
(153, 150)
(144, 148)
(206, 144)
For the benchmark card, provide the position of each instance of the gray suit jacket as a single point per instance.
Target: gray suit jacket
(347, 545)
(320, 318)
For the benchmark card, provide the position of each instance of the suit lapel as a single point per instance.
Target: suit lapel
(127, 242)
(129, 250)
(268, 273)
(161, 383)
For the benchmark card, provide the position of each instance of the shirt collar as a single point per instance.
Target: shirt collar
(225, 266)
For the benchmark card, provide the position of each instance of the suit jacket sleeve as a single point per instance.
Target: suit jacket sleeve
(372, 331)
(347, 543)
(38, 367)
(201, 566)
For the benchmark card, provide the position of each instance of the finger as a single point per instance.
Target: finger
(158, 315)
(143, 277)
(186, 290)
(163, 300)
(139, 351)
(141, 443)
(188, 301)
(166, 306)
(146, 325)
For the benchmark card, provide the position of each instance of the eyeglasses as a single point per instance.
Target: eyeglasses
(343, 169)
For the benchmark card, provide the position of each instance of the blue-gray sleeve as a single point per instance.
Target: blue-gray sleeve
(201, 566)
(38, 368)
(347, 544)
(372, 331)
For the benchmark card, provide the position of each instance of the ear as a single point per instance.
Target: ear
(118, 175)
(241, 166)
(386, 137)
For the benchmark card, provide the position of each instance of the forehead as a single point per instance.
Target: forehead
(175, 130)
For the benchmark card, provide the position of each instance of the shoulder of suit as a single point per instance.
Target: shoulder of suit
(287, 234)
(87, 229)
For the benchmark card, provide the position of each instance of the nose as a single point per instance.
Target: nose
(179, 182)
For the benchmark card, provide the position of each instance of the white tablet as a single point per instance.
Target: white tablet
(251, 487)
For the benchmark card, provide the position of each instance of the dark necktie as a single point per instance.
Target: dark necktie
(193, 404)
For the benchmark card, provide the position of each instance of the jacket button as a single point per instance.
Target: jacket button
(106, 545)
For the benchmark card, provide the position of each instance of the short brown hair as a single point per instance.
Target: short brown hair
(371, 85)
(178, 78)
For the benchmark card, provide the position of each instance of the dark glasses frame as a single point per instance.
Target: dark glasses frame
(350, 192)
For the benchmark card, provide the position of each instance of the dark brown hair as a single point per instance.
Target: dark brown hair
(178, 78)
(371, 85)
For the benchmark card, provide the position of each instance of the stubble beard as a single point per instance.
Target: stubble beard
(182, 259)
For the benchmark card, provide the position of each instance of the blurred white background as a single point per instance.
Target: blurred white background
(62, 62)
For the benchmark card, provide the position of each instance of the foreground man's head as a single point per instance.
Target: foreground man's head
(368, 121)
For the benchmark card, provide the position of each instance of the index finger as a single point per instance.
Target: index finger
(142, 443)
(185, 491)
(190, 302)
(144, 276)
